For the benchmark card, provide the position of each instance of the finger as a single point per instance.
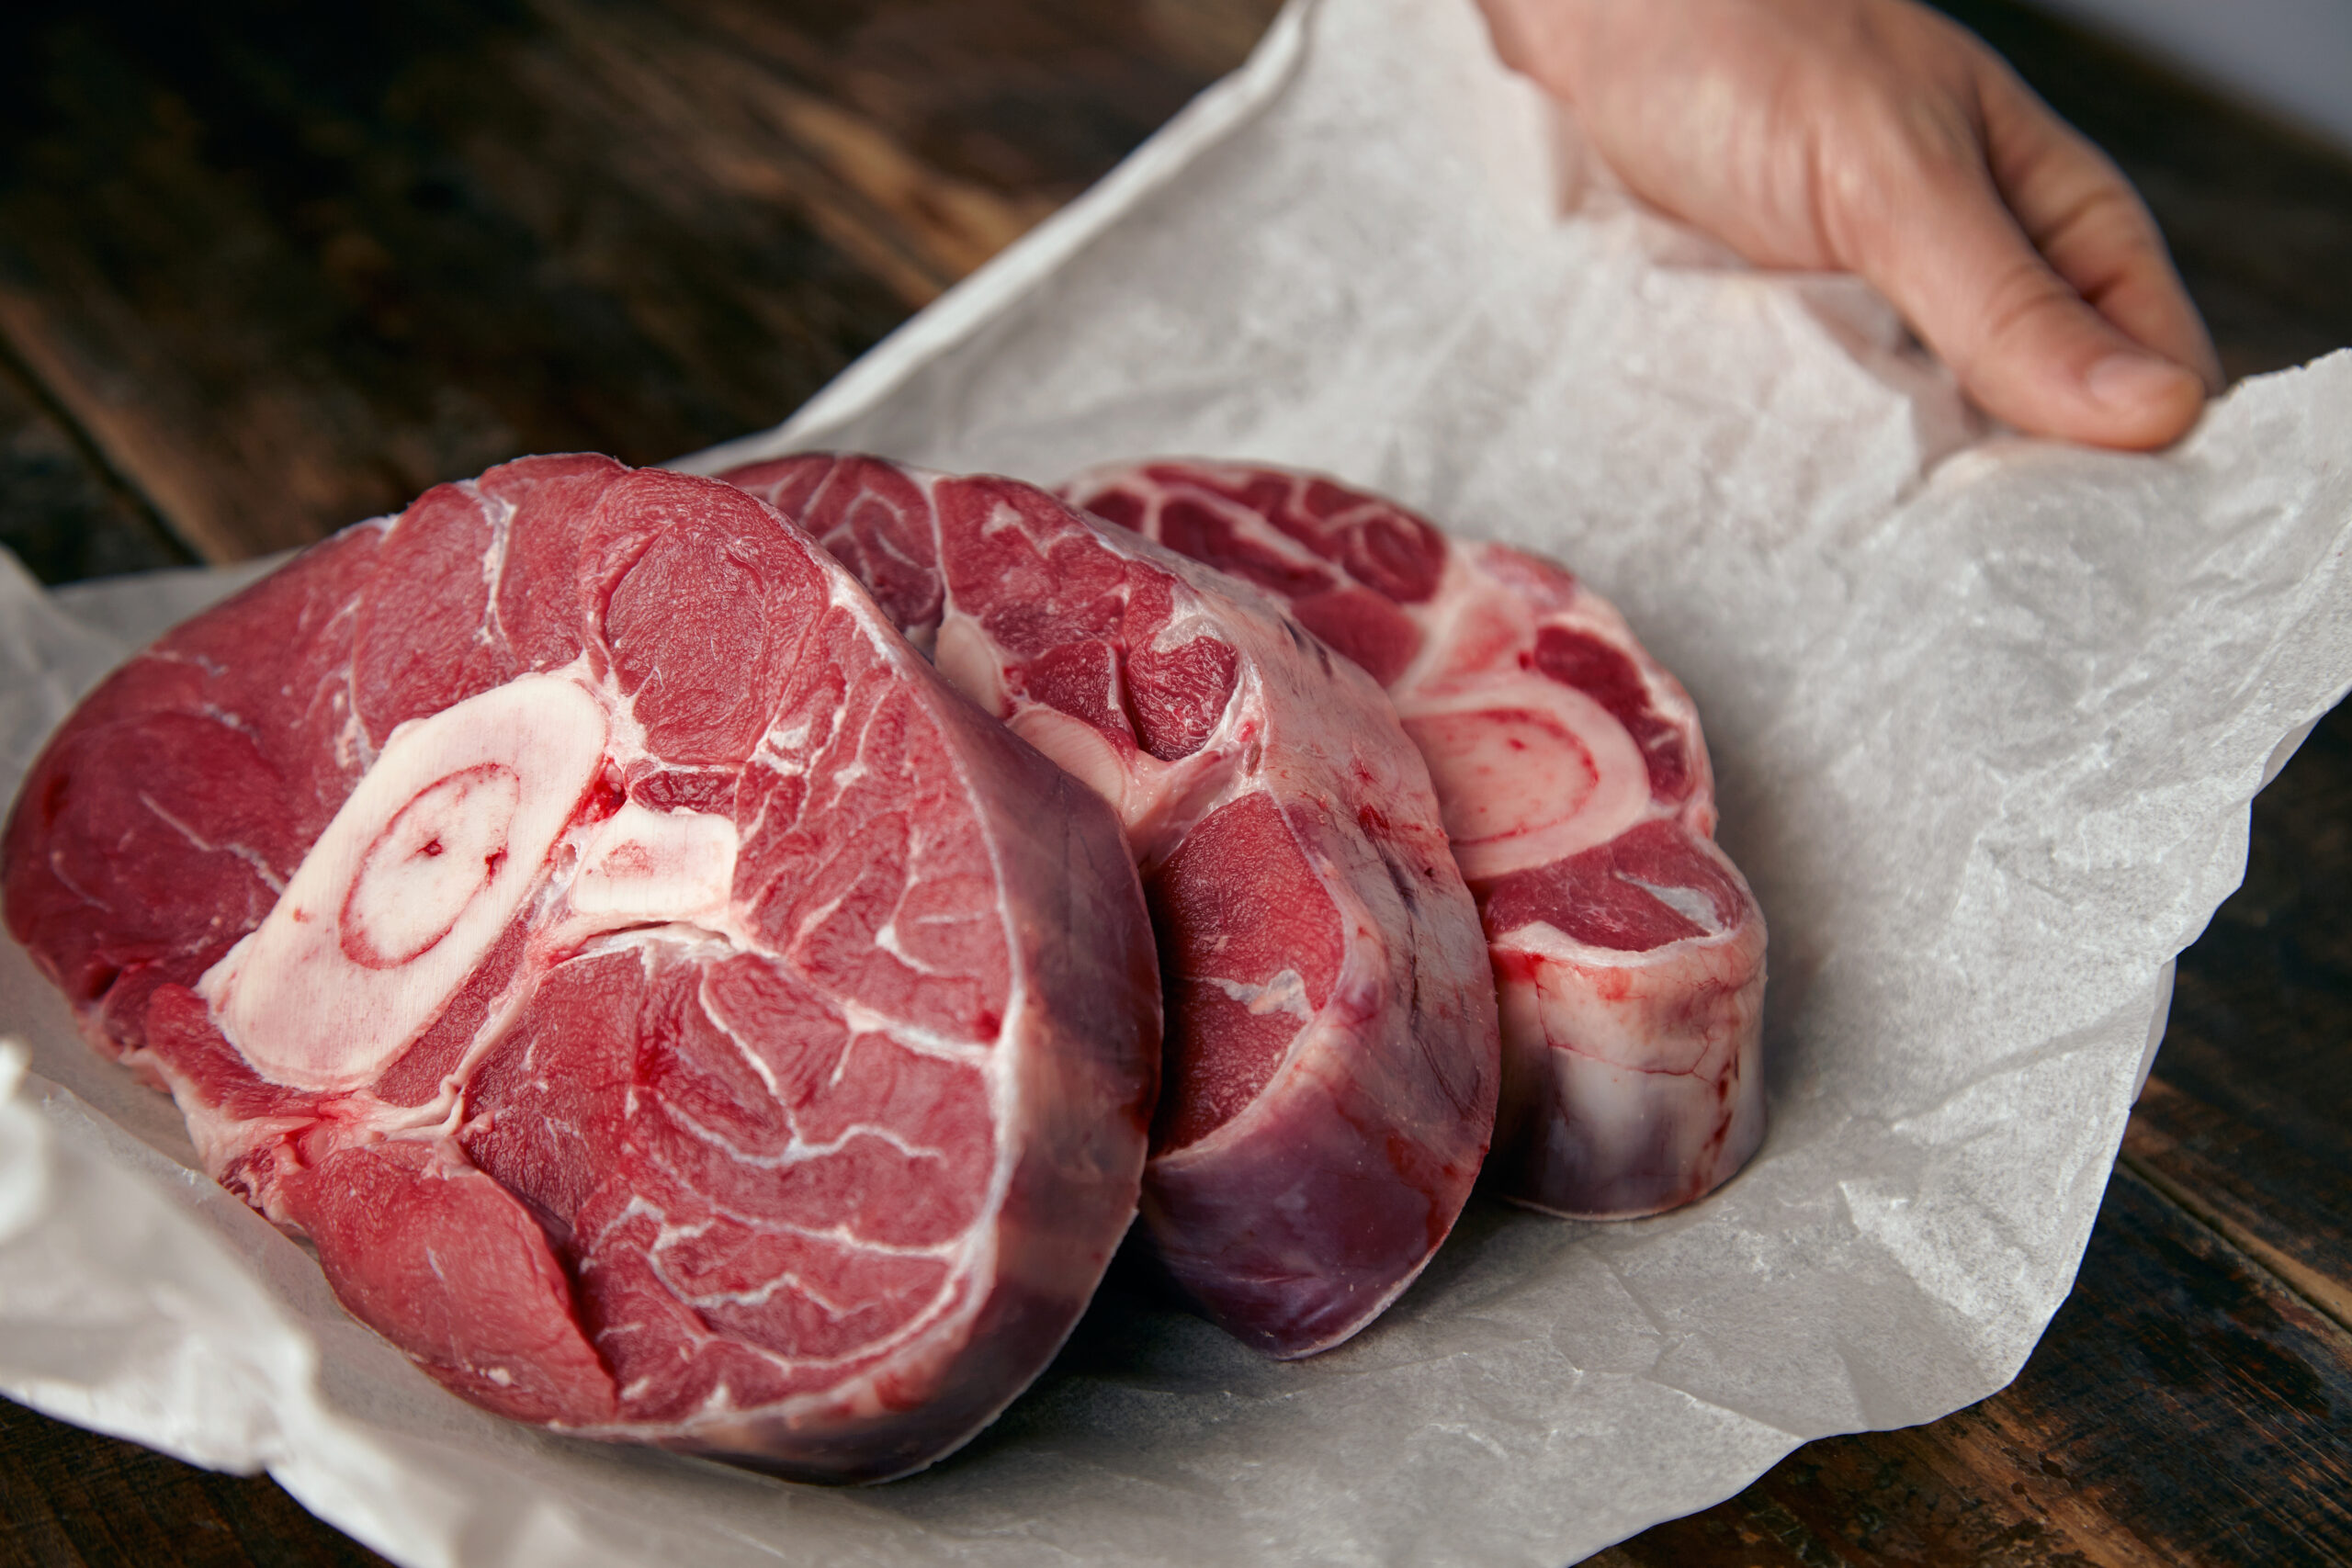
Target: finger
(1941, 243)
(2080, 212)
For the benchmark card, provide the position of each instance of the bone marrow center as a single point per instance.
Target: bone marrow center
(435, 851)
(442, 851)
(1527, 772)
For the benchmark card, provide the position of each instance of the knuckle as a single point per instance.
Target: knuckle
(2102, 211)
(2023, 303)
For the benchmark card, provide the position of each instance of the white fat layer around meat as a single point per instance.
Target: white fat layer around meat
(1542, 940)
(1651, 1027)
(1623, 1114)
(419, 873)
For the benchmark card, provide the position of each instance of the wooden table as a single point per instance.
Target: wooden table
(264, 269)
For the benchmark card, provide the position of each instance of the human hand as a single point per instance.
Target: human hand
(1878, 137)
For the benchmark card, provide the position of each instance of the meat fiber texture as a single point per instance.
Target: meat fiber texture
(1984, 715)
(1330, 1082)
(1578, 793)
(671, 1014)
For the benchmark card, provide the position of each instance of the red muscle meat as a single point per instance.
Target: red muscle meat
(671, 1010)
(1575, 787)
(1330, 1073)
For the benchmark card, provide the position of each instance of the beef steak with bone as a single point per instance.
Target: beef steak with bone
(1332, 1055)
(671, 1010)
(1576, 789)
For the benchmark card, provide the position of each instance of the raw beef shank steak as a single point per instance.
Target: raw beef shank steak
(1332, 1064)
(671, 1010)
(1576, 786)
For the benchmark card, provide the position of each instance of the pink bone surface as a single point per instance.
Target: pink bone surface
(1627, 949)
(673, 1012)
(1331, 1066)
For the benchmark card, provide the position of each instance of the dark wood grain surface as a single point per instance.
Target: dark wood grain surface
(266, 268)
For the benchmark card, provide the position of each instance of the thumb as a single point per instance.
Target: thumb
(2026, 344)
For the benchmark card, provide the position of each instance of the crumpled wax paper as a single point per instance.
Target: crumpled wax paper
(1986, 714)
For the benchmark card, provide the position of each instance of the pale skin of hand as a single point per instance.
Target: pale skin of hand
(1879, 138)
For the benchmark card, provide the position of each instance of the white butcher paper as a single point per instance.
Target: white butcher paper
(1986, 713)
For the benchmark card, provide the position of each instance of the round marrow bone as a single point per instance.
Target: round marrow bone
(411, 884)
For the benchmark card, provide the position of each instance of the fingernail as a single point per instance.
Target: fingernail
(2134, 380)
